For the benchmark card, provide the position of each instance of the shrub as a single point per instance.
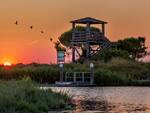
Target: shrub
(124, 70)
(110, 54)
(105, 77)
(40, 74)
(25, 97)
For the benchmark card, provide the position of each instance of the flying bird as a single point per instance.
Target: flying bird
(16, 23)
(51, 39)
(31, 27)
(42, 32)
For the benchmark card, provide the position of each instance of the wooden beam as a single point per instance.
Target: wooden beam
(103, 29)
(87, 50)
(73, 54)
(73, 25)
(77, 52)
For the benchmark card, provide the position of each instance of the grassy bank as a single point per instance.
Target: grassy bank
(122, 72)
(116, 72)
(24, 97)
(38, 72)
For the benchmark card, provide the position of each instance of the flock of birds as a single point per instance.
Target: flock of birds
(42, 32)
(68, 53)
(31, 27)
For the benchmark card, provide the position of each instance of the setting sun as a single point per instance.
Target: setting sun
(7, 64)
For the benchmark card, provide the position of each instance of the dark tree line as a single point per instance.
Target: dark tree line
(134, 46)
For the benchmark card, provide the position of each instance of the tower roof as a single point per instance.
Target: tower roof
(88, 20)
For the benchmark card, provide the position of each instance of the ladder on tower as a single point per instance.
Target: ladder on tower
(105, 46)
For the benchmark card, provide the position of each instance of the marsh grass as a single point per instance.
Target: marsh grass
(122, 72)
(25, 97)
(115, 72)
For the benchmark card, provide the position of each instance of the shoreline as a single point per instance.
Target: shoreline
(54, 85)
(91, 106)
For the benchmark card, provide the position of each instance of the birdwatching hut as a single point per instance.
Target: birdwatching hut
(94, 42)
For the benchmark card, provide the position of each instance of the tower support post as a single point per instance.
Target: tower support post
(73, 54)
(103, 29)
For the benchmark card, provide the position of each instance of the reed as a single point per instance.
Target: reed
(25, 97)
(115, 72)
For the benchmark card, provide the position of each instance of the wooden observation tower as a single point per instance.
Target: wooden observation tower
(93, 42)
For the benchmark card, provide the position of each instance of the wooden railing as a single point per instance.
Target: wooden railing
(104, 47)
(83, 36)
(78, 77)
(93, 38)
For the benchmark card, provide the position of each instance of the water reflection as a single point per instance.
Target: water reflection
(109, 99)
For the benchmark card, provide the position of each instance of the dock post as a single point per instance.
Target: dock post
(61, 72)
(91, 73)
(83, 80)
(74, 77)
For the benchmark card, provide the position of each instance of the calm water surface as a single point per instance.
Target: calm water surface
(109, 99)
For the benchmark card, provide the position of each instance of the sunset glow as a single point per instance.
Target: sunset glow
(7, 64)
(125, 18)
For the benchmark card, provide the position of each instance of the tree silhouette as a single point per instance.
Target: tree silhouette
(134, 46)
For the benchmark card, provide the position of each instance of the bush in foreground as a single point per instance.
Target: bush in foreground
(25, 97)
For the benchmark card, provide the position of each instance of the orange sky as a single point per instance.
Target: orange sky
(20, 44)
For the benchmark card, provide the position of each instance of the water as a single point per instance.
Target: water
(109, 99)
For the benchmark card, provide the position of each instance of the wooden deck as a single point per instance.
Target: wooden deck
(95, 37)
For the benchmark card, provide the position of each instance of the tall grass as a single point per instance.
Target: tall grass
(40, 73)
(122, 72)
(115, 72)
(24, 97)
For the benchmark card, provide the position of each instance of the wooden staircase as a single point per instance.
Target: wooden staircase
(106, 44)
(92, 39)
